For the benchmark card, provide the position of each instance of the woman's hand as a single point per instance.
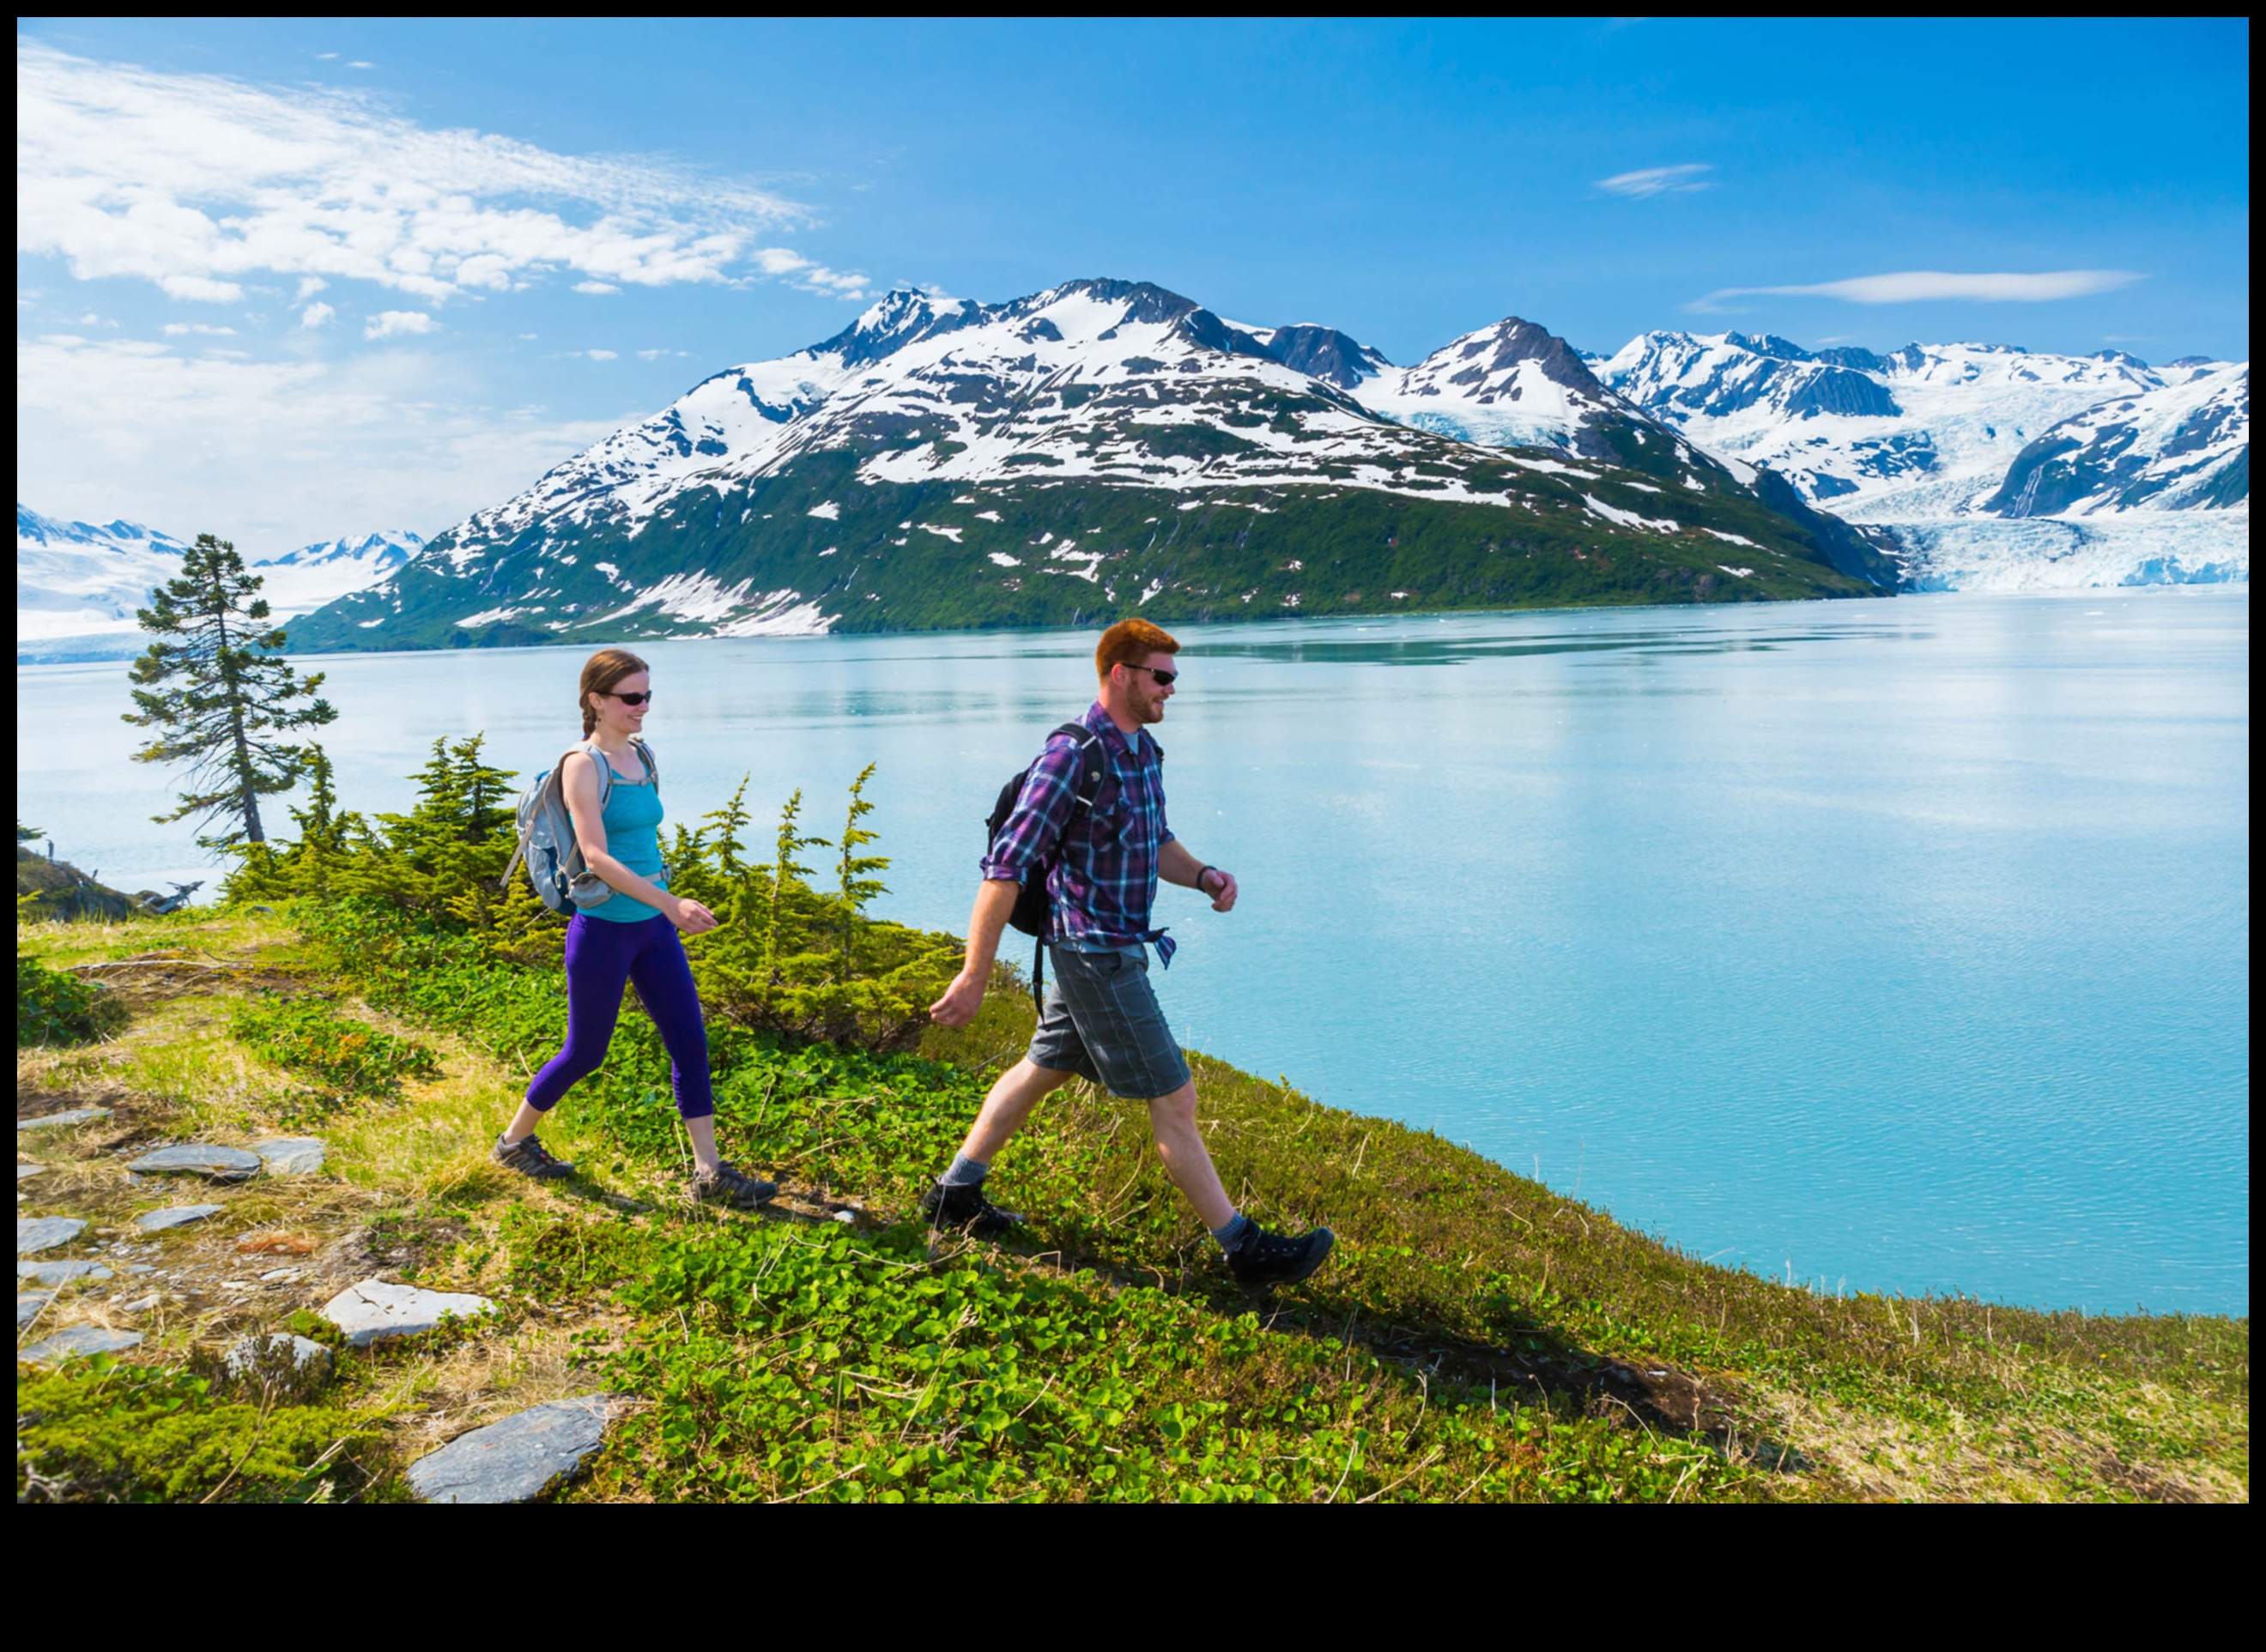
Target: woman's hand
(692, 917)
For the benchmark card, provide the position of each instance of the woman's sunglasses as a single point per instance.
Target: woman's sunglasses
(630, 700)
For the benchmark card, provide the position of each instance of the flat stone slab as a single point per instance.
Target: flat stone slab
(61, 1273)
(199, 1158)
(28, 1304)
(374, 1309)
(305, 1351)
(23, 1170)
(291, 1155)
(45, 1232)
(175, 1215)
(64, 1120)
(80, 1339)
(516, 1458)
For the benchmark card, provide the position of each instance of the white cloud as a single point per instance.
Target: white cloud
(595, 286)
(656, 356)
(178, 329)
(197, 182)
(318, 316)
(811, 278)
(1658, 180)
(1922, 286)
(272, 454)
(388, 324)
(310, 285)
(594, 355)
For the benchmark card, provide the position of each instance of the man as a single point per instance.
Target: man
(1100, 1019)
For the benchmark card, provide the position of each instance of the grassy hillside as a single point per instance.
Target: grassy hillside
(1477, 1337)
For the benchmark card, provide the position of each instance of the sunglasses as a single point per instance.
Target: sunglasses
(1164, 679)
(630, 700)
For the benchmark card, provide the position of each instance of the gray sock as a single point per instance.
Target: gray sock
(1231, 1233)
(965, 1173)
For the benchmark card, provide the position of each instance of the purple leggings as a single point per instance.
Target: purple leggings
(601, 958)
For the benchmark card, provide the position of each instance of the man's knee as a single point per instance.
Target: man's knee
(1180, 1107)
(1027, 1081)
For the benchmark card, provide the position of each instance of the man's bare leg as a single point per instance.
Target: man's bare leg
(1179, 1143)
(1013, 1094)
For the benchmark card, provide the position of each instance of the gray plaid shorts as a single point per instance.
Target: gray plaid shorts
(1101, 1021)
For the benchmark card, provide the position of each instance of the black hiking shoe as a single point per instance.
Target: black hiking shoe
(530, 1157)
(967, 1209)
(1265, 1259)
(725, 1186)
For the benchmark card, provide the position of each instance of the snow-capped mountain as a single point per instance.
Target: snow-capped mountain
(1102, 446)
(1512, 384)
(78, 584)
(2186, 446)
(74, 578)
(300, 582)
(1942, 444)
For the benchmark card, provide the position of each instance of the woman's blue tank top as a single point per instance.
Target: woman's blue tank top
(633, 823)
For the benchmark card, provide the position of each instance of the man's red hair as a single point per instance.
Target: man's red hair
(1129, 642)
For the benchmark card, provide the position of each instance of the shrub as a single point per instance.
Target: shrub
(54, 1008)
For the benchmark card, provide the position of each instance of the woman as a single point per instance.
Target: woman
(629, 937)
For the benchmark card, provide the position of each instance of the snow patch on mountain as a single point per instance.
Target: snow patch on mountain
(1512, 384)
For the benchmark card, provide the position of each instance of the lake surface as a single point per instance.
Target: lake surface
(1901, 943)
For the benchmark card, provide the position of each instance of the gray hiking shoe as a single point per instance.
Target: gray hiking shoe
(725, 1186)
(530, 1157)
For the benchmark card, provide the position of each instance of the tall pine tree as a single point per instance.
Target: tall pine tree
(220, 695)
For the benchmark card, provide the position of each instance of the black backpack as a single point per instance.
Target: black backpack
(1033, 907)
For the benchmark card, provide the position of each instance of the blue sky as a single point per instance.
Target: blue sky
(298, 279)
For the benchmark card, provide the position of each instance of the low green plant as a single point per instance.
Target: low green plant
(97, 1431)
(55, 1008)
(347, 1059)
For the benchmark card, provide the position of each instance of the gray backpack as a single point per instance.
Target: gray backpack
(563, 880)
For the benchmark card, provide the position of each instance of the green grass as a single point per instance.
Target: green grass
(1475, 1335)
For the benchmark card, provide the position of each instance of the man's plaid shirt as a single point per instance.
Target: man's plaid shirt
(1104, 881)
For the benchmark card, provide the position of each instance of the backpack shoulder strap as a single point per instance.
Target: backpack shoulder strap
(645, 752)
(1092, 770)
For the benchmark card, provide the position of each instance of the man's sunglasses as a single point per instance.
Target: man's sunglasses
(1164, 679)
(629, 699)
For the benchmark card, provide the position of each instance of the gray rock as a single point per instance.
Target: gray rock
(291, 1155)
(61, 1273)
(516, 1458)
(28, 1304)
(45, 1232)
(304, 1352)
(199, 1158)
(80, 1339)
(141, 1304)
(175, 1215)
(374, 1309)
(64, 1120)
(23, 1170)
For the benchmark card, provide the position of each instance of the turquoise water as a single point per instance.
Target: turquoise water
(1905, 943)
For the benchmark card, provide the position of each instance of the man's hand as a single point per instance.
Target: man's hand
(1220, 885)
(960, 1001)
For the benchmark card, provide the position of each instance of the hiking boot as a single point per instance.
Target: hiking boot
(967, 1209)
(530, 1157)
(1265, 1259)
(725, 1186)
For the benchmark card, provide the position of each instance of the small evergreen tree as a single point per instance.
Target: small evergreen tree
(214, 686)
(787, 874)
(858, 885)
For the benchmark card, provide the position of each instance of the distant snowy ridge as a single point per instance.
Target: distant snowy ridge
(1944, 445)
(78, 584)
